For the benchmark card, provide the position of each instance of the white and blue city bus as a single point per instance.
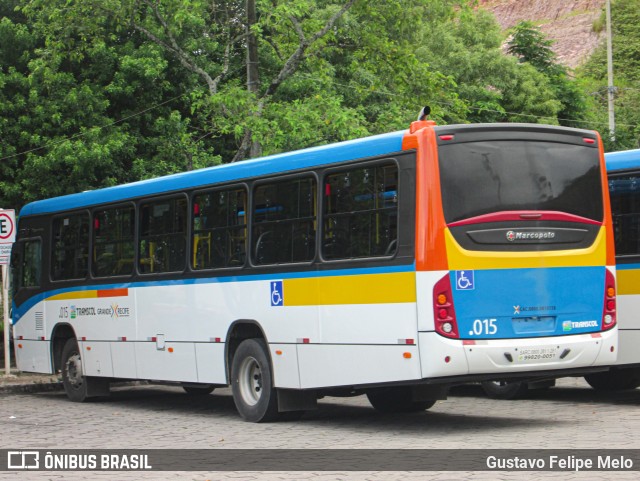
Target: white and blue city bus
(392, 266)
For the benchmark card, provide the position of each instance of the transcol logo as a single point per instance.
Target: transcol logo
(569, 325)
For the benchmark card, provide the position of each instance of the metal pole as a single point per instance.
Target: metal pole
(610, 88)
(5, 306)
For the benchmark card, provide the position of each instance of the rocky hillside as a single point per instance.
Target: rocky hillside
(568, 23)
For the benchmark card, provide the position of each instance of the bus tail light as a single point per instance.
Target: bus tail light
(609, 310)
(444, 314)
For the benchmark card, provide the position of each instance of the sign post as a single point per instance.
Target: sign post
(7, 238)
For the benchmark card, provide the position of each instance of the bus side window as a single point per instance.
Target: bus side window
(361, 212)
(219, 229)
(70, 256)
(163, 229)
(625, 209)
(113, 243)
(26, 264)
(284, 222)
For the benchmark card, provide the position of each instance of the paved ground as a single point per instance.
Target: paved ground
(571, 415)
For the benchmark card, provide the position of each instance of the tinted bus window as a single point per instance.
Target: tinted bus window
(361, 212)
(219, 229)
(26, 264)
(113, 244)
(625, 210)
(486, 177)
(70, 259)
(284, 222)
(163, 228)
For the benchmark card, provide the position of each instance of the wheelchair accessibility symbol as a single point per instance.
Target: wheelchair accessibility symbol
(464, 281)
(277, 294)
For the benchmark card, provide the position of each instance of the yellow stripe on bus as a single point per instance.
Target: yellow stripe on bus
(357, 289)
(460, 258)
(90, 294)
(74, 295)
(628, 281)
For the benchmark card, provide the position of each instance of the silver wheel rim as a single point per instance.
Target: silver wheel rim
(250, 381)
(74, 371)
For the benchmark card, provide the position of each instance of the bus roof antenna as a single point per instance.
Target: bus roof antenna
(424, 113)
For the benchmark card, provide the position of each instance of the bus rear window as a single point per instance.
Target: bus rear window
(492, 176)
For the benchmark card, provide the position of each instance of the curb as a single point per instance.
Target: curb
(31, 388)
(38, 387)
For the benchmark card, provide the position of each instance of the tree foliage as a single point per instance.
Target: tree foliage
(531, 46)
(625, 18)
(100, 92)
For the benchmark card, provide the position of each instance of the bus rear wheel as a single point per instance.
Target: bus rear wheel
(396, 400)
(252, 382)
(77, 386)
(614, 379)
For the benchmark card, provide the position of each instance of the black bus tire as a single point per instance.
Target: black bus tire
(396, 400)
(252, 382)
(616, 379)
(77, 386)
(199, 390)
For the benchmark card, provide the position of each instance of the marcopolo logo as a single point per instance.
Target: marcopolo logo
(513, 236)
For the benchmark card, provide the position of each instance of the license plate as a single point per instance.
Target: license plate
(535, 354)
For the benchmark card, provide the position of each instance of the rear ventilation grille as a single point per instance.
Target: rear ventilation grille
(39, 321)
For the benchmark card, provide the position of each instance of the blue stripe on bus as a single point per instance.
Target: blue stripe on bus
(627, 159)
(623, 267)
(18, 312)
(315, 156)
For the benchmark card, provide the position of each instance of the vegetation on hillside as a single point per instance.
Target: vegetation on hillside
(625, 18)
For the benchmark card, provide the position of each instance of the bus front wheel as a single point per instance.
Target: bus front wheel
(252, 383)
(396, 400)
(77, 386)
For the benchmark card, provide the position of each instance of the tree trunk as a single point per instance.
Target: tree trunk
(253, 76)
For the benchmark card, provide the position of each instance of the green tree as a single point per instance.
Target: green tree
(531, 46)
(465, 45)
(625, 18)
(101, 92)
(66, 118)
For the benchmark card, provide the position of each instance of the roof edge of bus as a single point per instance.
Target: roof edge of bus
(622, 160)
(512, 126)
(288, 161)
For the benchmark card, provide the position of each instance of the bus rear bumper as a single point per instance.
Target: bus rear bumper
(455, 357)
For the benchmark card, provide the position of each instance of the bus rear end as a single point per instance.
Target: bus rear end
(518, 275)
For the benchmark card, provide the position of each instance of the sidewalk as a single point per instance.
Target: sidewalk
(26, 382)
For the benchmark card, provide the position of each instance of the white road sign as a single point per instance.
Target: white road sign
(7, 226)
(7, 233)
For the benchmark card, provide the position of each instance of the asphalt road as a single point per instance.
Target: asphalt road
(568, 416)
